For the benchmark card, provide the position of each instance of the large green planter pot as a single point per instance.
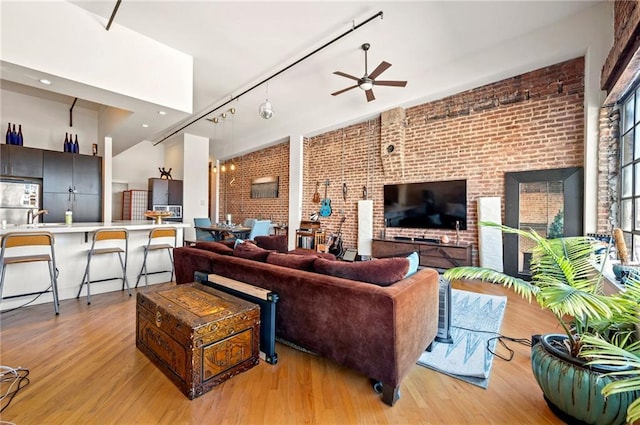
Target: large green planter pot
(574, 390)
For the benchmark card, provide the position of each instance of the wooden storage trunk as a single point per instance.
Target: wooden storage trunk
(198, 336)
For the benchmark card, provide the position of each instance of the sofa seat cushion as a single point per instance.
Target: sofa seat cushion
(216, 247)
(250, 251)
(300, 262)
(382, 272)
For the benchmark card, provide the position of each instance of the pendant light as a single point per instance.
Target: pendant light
(266, 110)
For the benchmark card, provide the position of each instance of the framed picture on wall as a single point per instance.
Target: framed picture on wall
(264, 187)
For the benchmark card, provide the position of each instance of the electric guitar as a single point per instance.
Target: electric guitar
(336, 244)
(325, 205)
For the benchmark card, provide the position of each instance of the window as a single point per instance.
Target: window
(629, 217)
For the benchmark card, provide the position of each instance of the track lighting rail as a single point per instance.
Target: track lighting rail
(198, 118)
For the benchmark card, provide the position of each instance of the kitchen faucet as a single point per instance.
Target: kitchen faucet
(33, 216)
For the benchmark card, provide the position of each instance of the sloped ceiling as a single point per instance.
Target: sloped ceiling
(440, 47)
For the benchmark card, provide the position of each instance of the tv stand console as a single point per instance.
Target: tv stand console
(432, 254)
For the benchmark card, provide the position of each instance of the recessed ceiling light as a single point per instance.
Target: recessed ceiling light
(145, 125)
(45, 81)
(162, 113)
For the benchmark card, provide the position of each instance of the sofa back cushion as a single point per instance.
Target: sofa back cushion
(216, 247)
(300, 262)
(382, 272)
(250, 251)
(272, 242)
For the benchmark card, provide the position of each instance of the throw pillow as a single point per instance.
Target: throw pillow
(414, 262)
(382, 272)
(216, 247)
(250, 252)
(300, 262)
(238, 242)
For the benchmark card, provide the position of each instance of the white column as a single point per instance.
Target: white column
(597, 51)
(107, 172)
(296, 158)
(195, 189)
(214, 214)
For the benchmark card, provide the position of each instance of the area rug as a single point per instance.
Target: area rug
(475, 320)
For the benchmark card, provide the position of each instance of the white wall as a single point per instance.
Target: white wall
(174, 157)
(45, 122)
(135, 165)
(67, 41)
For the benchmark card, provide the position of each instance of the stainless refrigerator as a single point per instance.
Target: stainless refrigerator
(16, 198)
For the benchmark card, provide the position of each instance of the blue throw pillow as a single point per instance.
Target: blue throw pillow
(238, 242)
(414, 261)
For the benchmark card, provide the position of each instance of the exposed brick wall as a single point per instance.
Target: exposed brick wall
(626, 30)
(608, 168)
(530, 122)
(235, 186)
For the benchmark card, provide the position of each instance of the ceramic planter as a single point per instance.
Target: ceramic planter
(573, 390)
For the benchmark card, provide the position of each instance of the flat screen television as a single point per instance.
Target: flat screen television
(426, 205)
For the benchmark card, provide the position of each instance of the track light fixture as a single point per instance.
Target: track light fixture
(266, 110)
(354, 27)
(222, 115)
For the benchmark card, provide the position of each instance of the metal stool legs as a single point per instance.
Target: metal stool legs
(167, 232)
(17, 239)
(101, 235)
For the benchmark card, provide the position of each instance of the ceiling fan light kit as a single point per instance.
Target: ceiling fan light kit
(367, 81)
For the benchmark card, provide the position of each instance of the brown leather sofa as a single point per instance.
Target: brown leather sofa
(379, 331)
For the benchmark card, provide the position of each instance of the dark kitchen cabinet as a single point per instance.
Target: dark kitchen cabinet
(164, 192)
(72, 181)
(18, 161)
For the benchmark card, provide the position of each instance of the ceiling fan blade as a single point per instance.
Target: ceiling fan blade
(370, 95)
(379, 70)
(342, 74)
(343, 90)
(391, 83)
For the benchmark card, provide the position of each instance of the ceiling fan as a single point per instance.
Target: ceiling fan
(367, 81)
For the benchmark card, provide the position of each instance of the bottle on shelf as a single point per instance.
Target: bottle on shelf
(7, 138)
(66, 142)
(14, 136)
(76, 147)
(19, 138)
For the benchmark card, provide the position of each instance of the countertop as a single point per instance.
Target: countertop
(87, 227)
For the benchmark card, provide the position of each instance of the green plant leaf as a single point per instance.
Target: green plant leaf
(621, 353)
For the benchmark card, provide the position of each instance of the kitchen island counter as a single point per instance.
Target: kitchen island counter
(72, 243)
(57, 228)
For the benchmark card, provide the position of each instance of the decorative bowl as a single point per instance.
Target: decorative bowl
(157, 216)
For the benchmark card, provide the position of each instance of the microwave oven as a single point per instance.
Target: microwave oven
(175, 209)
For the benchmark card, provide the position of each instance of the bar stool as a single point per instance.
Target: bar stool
(155, 234)
(98, 237)
(17, 240)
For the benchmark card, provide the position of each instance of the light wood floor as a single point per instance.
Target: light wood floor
(85, 369)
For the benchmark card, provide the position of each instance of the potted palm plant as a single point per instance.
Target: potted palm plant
(622, 354)
(567, 280)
